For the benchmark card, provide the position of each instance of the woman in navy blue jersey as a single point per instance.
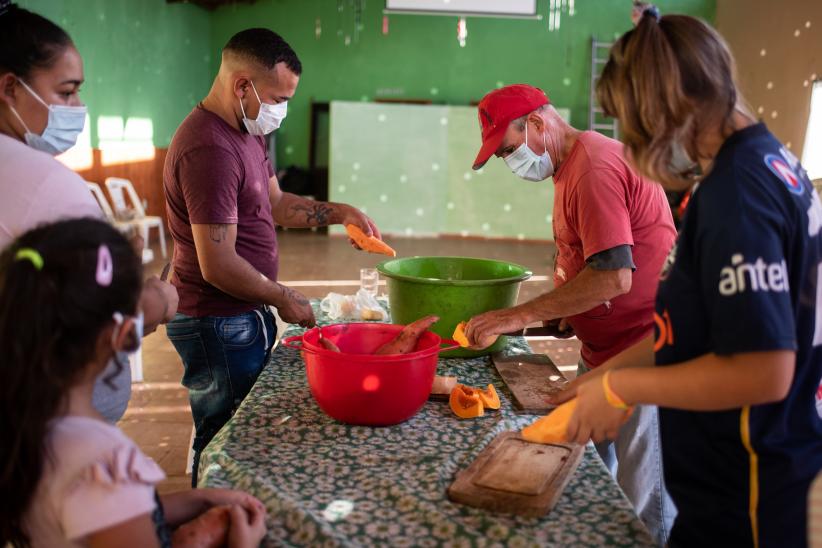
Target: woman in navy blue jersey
(736, 346)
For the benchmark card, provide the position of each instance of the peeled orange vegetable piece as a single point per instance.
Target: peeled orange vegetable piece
(459, 335)
(489, 397)
(553, 427)
(465, 402)
(369, 243)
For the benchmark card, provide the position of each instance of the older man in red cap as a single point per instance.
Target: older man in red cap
(613, 230)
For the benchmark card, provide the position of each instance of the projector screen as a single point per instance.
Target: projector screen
(466, 7)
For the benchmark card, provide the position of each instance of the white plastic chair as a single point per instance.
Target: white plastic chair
(117, 189)
(122, 226)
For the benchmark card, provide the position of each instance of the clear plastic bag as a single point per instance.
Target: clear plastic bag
(362, 306)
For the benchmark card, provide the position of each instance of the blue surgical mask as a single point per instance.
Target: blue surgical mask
(529, 165)
(268, 119)
(65, 124)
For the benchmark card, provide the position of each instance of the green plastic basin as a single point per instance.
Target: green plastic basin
(453, 288)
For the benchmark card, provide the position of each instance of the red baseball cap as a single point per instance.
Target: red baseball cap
(498, 109)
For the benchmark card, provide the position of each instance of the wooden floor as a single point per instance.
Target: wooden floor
(159, 418)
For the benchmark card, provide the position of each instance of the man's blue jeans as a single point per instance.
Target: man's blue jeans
(222, 357)
(635, 460)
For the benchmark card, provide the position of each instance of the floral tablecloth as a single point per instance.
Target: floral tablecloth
(329, 484)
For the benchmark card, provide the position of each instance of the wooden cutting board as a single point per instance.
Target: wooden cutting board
(515, 476)
(532, 378)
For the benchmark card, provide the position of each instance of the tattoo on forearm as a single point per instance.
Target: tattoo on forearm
(318, 214)
(217, 233)
(292, 295)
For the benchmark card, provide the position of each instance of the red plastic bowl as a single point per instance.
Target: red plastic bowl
(357, 387)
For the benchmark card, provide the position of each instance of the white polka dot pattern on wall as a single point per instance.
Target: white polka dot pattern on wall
(403, 179)
(774, 114)
(435, 167)
(467, 175)
(354, 178)
(420, 212)
(341, 189)
(450, 206)
(762, 52)
(381, 118)
(769, 85)
(443, 121)
(383, 198)
(356, 166)
(435, 91)
(506, 207)
(486, 227)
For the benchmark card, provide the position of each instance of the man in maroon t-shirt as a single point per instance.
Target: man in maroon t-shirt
(223, 203)
(613, 231)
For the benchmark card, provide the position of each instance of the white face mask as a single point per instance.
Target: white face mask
(64, 126)
(268, 119)
(681, 164)
(529, 165)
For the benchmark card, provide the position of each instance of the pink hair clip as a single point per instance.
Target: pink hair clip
(105, 266)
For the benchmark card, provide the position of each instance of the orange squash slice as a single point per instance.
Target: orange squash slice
(553, 427)
(369, 243)
(459, 335)
(465, 402)
(489, 397)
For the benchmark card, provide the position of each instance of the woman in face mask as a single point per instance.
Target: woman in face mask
(41, 115)
(736, 360)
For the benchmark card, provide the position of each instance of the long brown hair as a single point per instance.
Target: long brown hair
(52, 312)
(666, 81)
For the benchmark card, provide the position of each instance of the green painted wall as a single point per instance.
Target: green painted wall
(409, 168)
(421, 58)
(143, 58)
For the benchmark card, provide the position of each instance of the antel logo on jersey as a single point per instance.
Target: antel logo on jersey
(756, 276)
(781, 169)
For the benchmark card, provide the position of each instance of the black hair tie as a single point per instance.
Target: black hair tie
(653, 11)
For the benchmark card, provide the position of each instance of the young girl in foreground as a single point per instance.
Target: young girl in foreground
(68, 300)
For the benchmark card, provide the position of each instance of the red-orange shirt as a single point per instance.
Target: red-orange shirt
(600, 202)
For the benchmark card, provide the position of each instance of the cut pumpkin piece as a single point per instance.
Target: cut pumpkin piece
(369, 243)
(465, 402)
(489, 397)
(553, 427)
(459, 335)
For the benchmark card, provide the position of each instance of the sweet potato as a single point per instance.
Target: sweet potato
(208, 530)
(406, 341)
(328, 345)
(369, 243)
